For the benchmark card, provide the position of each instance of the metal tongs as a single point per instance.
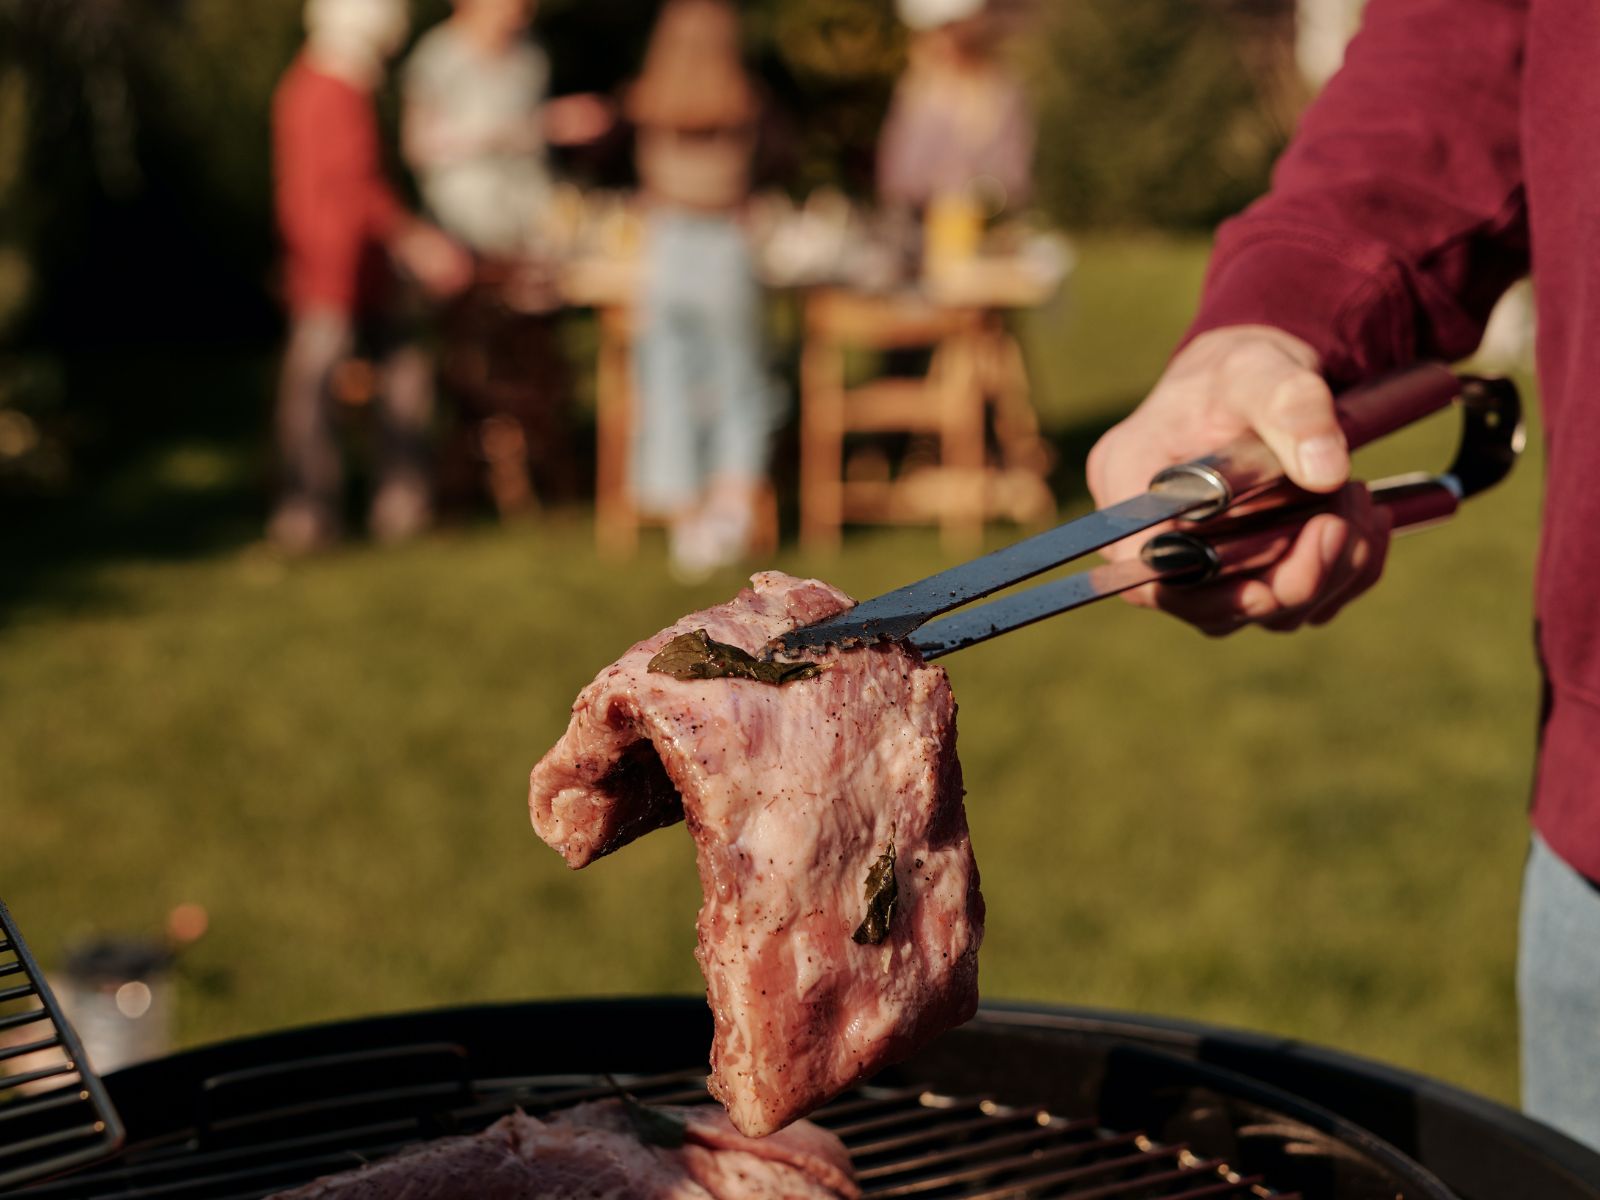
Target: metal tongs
(1243, 478)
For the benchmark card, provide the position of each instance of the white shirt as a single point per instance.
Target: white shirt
(488, 197)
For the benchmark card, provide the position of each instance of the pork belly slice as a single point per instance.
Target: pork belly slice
(594, 1152)
(802, 1162)
(793, 794)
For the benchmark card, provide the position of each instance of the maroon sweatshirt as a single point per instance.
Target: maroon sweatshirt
(1460, 142)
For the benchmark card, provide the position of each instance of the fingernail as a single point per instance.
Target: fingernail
(1331, 544)
(1257, 601)
(1322, 461)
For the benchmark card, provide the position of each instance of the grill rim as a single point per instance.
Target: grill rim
(1461, 1136)
(1443, 1122)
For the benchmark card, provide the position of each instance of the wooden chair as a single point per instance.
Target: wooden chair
(975, 367)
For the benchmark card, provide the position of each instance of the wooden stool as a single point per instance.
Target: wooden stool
(616, 521)
(974, 365)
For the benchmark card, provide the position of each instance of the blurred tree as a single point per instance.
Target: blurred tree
(135, 189)
(140, 132)
(1150, 112)
(832, 64)
(67, 139)
(206, 72)
(66, 131)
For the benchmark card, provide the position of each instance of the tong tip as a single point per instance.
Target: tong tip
(844, 632)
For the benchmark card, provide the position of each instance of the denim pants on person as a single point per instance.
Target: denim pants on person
(1558, 994)
(704, 406)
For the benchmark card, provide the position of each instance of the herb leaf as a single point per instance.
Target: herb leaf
(695, 656)
(653, 1126)
(882, 891)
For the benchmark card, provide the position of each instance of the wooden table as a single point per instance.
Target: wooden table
(973, 404)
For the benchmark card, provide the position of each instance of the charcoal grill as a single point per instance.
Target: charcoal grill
(1035, 1102)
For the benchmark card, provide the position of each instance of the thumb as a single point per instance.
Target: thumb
(1297, 420)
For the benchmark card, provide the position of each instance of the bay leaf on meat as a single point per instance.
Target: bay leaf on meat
(881, 892)
(694, 655)
(655, 1127)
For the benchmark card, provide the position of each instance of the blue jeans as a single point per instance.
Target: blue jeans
(704, 407)
(1558, 994)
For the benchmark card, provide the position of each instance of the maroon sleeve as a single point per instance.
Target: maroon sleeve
(1397, 216)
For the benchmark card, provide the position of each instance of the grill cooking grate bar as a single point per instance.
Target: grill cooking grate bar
(54, 1112)
(1037, 1155)
(900, 1117)
(905, 1142)
(970, 1147)
(1037, 1129)
(1034, 1164)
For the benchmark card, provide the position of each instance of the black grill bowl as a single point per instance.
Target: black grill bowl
(1154, 1108)
(1481, 1149)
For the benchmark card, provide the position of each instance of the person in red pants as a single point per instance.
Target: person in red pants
(348, 244)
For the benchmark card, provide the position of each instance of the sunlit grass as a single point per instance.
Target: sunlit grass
(1318, 836)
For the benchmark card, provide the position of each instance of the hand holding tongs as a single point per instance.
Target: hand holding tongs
(1492, 437)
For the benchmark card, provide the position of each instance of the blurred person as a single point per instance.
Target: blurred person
(959, 123)
(704, 405)
(1452, 151)
(477, 123)
(475, 128)
(344, 233)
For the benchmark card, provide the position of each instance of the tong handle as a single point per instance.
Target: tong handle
(1234, 546)
(1245, 466)
(1492, 438)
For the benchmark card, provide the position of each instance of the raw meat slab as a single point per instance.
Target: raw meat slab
(793, 794)
(592, 1152)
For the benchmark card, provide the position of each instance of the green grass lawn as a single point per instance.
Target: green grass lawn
(1317, 835)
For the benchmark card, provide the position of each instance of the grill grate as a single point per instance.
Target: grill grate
(52, 1115)
(909, 1142)
(904, 1142)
